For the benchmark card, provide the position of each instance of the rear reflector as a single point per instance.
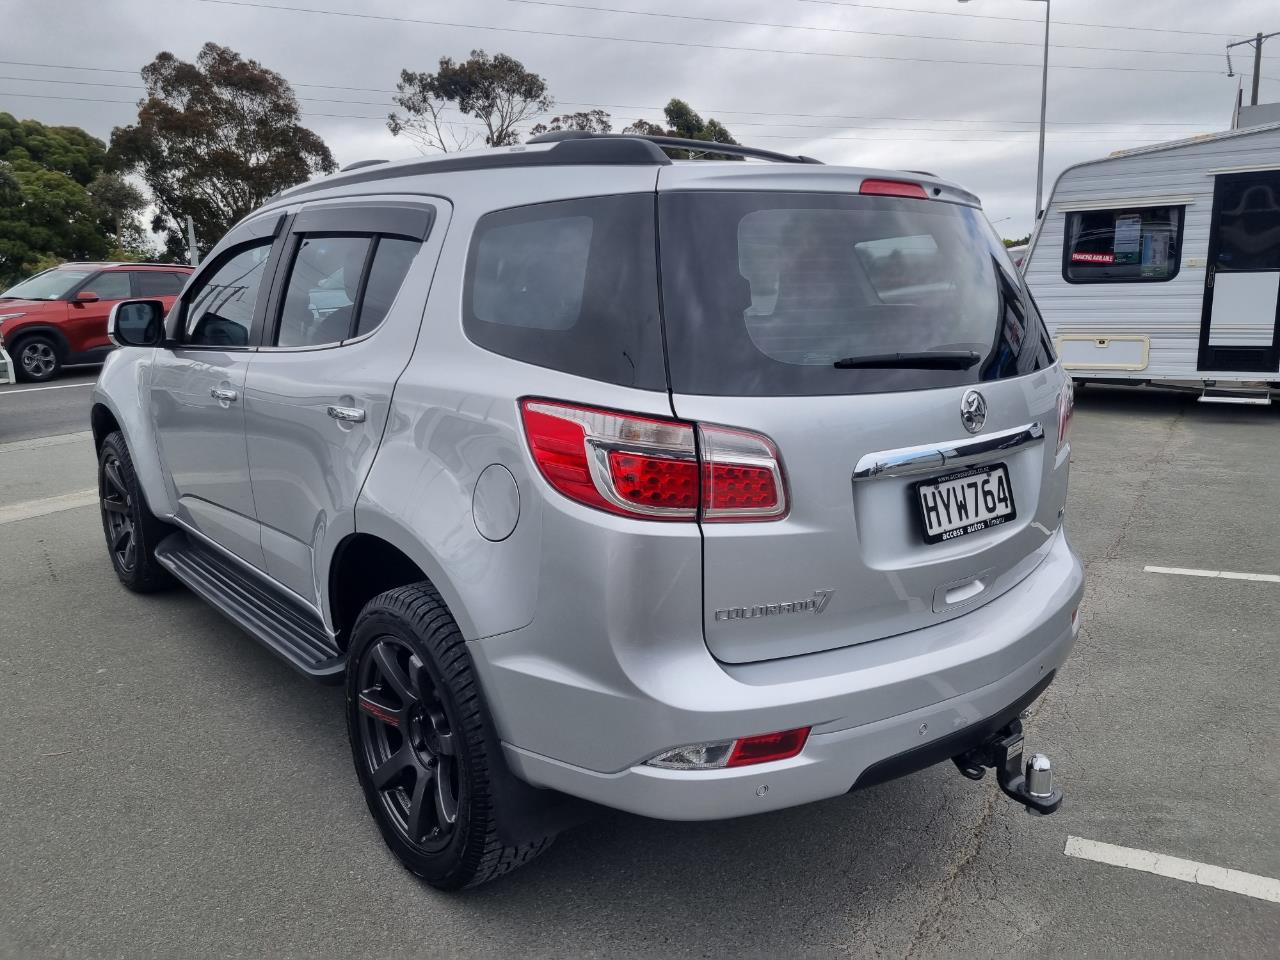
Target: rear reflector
(768, 746)
(744, 752)
(893, 188)
(652, 469)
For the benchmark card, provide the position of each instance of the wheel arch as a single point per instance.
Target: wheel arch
(363, 566)
(13, 339)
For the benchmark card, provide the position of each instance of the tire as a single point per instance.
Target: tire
(131, 529)
(37, 358)
(422, 742)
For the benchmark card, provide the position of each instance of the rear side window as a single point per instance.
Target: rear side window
(571, 285)
(340, 287)
(795, 294)
(157, 283)
(109, 285)
(1123, 246)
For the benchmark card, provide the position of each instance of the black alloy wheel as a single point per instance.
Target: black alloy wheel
(117, 513)
(408, 746)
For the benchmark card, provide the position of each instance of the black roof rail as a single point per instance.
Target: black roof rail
(360, 163)
(629, 151)
(677, 143)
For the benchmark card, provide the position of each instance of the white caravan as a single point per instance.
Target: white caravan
(1162, 264)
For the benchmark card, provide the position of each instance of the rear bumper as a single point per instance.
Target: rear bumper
(867, 705)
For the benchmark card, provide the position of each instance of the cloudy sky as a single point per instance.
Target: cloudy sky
(943, 85)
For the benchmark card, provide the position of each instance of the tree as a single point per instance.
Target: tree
(684, 122)
(46, 212)
(215, 139)
(1021, 242)
(592, 121)
(119, 204)
(498, 91)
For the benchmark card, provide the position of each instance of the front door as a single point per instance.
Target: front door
(197, 396)
(1240, 325)
(87, 320)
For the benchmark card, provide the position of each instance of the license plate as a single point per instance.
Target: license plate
(963, 503)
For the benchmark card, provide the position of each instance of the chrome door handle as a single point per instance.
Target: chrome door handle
(346, 414)
(224, 396)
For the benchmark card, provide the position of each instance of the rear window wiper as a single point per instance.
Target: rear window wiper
(930, 360)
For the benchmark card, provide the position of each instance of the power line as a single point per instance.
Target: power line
(1036, 20)
(1005, 139)
(688, 44)
(874, 33)
(736, 123)
(622, 106)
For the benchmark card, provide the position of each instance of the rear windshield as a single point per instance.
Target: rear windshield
(764, 292)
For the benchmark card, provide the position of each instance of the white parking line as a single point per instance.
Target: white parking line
(36, 443)
(1205, 874)
(56, 386)
(29, 509)
(1220, 574)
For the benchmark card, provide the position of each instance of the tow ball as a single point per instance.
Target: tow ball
(1030, 783)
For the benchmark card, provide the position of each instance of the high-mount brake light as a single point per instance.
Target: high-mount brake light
(651, 468)
(893, 188)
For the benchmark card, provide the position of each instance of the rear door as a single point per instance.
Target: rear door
(340, 328)
(1240, 327)
(919, 487)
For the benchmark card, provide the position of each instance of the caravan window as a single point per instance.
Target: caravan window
(1123, 246)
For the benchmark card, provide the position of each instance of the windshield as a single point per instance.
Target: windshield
(49, 285)
(782, 294)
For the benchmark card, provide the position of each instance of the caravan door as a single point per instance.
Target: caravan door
(1240, 326)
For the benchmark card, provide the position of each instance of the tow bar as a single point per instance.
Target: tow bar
(1031, 784)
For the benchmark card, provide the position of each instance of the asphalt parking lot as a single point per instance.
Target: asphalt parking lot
(168, 789)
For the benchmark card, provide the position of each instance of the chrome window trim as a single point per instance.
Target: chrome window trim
(929, 458)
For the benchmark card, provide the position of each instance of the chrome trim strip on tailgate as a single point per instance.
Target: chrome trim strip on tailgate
(930, 457)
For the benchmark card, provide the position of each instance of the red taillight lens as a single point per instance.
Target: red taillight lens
(767, 747)
(893, 188)
(1066, 410)
(650, 468)
(654, 481)
(741, 476)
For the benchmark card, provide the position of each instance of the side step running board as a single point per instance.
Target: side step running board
(279, 623)
(1261, 398)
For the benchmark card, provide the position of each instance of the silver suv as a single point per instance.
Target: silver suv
(689, 488)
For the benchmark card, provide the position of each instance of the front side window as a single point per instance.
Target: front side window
(112, 285)
(571, 285)
(1131, 245)
(220, 307)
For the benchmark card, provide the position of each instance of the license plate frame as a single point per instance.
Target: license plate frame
(964, 529)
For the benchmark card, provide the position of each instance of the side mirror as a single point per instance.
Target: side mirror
(87, 296)
(136, 323)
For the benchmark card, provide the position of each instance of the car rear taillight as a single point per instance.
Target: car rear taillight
(654, 469)
(1066, 409)
(893, 188)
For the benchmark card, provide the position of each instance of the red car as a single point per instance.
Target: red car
(60, 316)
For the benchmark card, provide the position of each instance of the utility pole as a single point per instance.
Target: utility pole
(193, 254)
(1257, 66)
(1258, 40)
